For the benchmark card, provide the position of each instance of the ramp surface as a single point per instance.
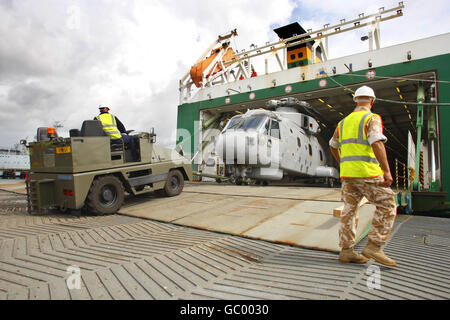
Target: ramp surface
(300, 216)
(16, 187)
(124, 258)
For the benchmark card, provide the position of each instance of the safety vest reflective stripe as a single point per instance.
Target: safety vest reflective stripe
(355, 141)
(359, 158)
(110, 131)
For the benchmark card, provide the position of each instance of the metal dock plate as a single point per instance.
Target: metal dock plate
(300, 216)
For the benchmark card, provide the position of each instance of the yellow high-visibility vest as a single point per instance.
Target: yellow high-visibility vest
(109, 125)
(357, 157)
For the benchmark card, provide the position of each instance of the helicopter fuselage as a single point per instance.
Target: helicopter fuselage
(272, 145)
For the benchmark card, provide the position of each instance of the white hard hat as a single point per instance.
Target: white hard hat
(364, 91)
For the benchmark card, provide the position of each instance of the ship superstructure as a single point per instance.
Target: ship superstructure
(411, 81)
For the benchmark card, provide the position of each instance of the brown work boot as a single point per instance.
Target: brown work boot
(375, 252)
(349, 255)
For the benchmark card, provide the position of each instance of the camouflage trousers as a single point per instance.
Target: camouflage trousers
(381, 197)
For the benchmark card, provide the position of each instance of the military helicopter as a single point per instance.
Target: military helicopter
(280, 142)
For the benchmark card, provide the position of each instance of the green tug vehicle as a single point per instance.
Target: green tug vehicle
(89, 172)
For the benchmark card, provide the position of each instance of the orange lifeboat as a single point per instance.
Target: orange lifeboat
(198, 69)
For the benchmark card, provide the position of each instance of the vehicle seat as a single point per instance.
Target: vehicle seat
(74, 133)
(92, 128)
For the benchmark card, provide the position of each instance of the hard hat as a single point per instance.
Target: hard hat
(102, 107)
(364, 91)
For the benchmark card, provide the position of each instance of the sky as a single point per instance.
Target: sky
(61, 59)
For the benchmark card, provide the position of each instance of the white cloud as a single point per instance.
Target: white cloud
(60, 59)
(419, 21)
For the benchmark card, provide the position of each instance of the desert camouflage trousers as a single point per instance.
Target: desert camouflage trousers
(381, 197)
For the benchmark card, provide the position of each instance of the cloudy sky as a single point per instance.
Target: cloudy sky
(61, 59)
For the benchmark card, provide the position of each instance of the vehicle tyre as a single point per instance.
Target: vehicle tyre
(105, 196)
(238, 181)
(174, 183)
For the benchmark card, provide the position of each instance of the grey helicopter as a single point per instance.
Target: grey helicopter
(279, 143)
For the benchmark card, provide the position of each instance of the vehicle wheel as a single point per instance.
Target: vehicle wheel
(219, 180)
(105, 196)
(238, 181)
(265, 183)
(174, 183)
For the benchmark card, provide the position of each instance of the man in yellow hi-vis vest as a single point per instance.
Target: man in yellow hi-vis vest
(358, 147)
(115, 129)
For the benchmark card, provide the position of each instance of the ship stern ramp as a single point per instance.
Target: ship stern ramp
(292, 215)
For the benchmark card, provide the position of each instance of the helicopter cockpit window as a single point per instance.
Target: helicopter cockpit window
(305, 122)
(234, 123)
(246, 123)
(253, 122)
(275, 129)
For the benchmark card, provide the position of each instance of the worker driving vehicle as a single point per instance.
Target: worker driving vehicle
(116, 130)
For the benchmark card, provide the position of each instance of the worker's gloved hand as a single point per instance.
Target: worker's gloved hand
(387, 180)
